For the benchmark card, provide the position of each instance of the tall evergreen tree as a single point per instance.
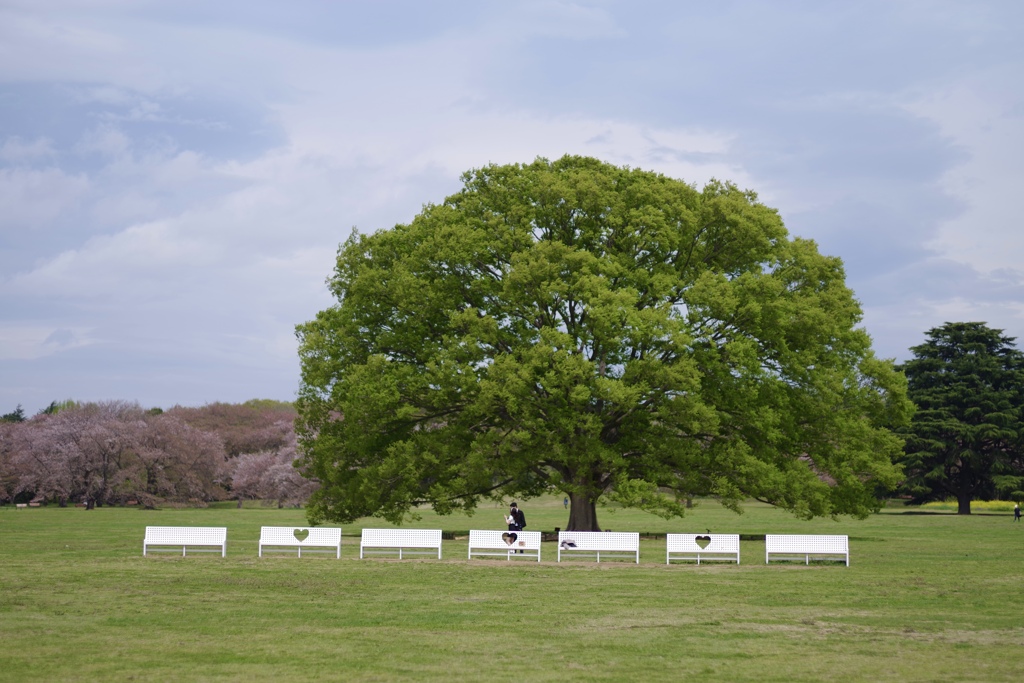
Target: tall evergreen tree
(965, 439)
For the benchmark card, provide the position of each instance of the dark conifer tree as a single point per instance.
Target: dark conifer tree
(965, 438)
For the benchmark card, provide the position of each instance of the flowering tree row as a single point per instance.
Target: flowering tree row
(116, 452)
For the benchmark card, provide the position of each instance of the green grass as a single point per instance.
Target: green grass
(928, 597)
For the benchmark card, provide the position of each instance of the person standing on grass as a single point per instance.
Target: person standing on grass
(516, 520)
(1016, 512)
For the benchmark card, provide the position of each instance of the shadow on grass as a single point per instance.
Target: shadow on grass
(953, 514)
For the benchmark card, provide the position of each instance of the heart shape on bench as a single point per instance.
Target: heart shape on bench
(301, 534)
(703, 541)
(509, 538)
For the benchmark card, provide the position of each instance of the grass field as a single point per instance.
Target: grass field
(928, 597)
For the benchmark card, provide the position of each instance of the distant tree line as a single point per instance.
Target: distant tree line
(965, 440)
(116, 453)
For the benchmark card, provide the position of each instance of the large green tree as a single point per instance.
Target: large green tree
(605, 332)
(965, 438)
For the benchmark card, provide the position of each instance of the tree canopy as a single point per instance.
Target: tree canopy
(605, 332)
(965, 439)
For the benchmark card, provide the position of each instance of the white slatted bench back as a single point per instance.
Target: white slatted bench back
(487, 542)
(797, 545)
(615, 543)
(200, 538)
(724, 547)
(311, 539)
(409, 541)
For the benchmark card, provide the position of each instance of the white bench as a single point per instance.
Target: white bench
(313, 539)
(795, 546)
(504, 543)
(409, 541)
(593, 543)
(724, 547)
(206, 539)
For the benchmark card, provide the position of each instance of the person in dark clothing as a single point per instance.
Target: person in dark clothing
(1016, 512)
(516, 520)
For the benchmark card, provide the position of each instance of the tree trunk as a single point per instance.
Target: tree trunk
(963, 504)
(582, 513)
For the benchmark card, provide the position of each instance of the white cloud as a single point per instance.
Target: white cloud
(302, 200)
(17, 151)
(985, 118)
(104, 94)
(899, 324)
(26, 341)
(102, 268)
(907, 301)
(106, 140)
(560, 20)
(30, 199)
(460, 143)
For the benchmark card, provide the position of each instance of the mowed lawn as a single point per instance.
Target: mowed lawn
(928, 597)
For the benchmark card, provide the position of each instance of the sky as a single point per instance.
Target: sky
(176, 177)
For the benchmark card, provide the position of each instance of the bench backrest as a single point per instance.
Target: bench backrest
(496, 540)
(713, 543)
(401, 538)
(601, 540)
(186, 535)
(806, 544)
(329, 537)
